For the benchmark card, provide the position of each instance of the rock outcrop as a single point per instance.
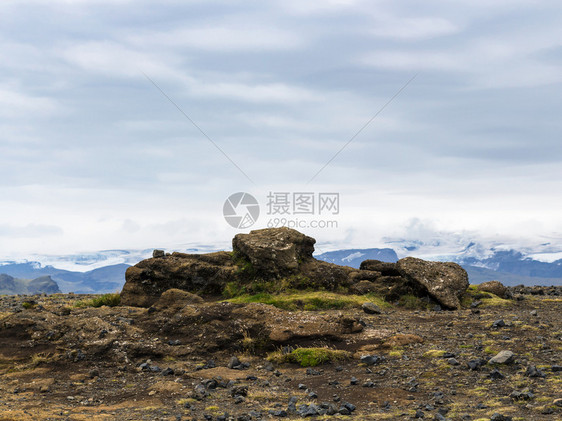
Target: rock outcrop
(494, 287)
(198, 273)
(446, 282)
(281, 259)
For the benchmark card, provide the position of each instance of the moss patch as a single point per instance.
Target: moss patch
(110, 300)
(434, 353)
(310, 301)
(309, 357)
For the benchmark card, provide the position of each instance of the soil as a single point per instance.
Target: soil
(60, 362)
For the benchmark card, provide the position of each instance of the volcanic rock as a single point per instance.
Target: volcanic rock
(494, 287)
(446, 282)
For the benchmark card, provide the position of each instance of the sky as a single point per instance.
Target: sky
(127, 124)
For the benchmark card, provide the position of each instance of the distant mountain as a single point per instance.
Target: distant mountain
(508, 266)
(354, 257)
(477, 275)
(510, 262)
(44, 284)
(101, 280)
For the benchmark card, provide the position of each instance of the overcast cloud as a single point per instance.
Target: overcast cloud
(93, 156)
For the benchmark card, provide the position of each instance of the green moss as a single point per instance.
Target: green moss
(28, 305)
(434, 353)
(310, 357)
(488, 299)
(310, 301)
(110, 300)
(245, 267)
(233, 289)
(412, 302)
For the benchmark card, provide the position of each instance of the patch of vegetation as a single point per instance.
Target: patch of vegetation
(396, 352)
(491, 350)
(245, 267)
(488, 299)
(233, 289)
(310, 301)
(28, 304)
(434, 353)
(309, 357)
(412, 302)
(110, 300)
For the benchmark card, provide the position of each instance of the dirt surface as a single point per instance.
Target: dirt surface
(59, 362)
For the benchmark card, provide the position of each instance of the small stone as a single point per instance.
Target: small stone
(502, 357)
(419, 414)
(534, 313)
(453, 361)
(168, 372)
(499, 417)
(312, 395)
(475, 364)
(349, 406)
(498, 323)
(239, 391)
(156, 254)
(533, 371)
(353, 381)
(496, 375)
(556, 368)
(302, 386)
(234, 363)
(525, 394)
(278, 413)
(371, 308)
(371, 359)
(344, 411)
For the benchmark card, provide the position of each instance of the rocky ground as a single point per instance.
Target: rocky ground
(185, 359)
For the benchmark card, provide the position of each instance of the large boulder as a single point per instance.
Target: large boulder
(280, 259)
(444, 281)
(197, 273)
(274, 252)
(384, 268)
(494, 287)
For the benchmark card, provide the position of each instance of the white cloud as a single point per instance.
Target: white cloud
(225, 37)
(15, 103)
(412, 28)
(90, 146)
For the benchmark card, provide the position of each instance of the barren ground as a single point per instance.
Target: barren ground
(59, 362)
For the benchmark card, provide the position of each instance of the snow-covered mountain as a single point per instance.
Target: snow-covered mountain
(512, 262)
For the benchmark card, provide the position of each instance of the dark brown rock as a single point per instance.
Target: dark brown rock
(198, 273)
(494, 287)
(274, 252)
(385, 268)
(444, 281)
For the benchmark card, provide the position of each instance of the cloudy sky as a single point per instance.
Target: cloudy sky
(93, 156)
